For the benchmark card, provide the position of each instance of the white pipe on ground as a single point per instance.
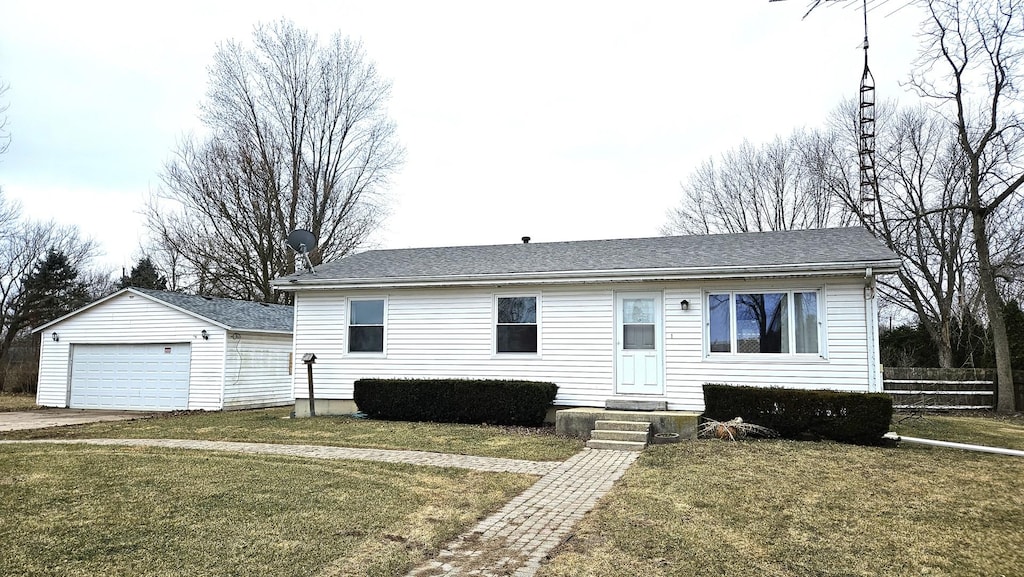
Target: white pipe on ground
(951, 445)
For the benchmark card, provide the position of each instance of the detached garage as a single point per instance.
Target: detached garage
(149, 350)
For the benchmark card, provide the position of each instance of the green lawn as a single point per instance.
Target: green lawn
(17, 402)
(785, 508)
(273, 426)
(116, 511)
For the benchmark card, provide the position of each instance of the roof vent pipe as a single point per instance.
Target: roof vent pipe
(526, 240)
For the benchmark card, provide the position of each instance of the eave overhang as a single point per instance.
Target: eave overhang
(310, 281)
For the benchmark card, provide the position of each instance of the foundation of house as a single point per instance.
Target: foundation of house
(325, 407)
(580, 421)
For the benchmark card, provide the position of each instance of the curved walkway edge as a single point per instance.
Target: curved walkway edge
(488, 464)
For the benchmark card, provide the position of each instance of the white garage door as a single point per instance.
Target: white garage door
(152, 377)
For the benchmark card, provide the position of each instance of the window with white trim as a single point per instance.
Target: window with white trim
(516, 327)
(366, 325)
(777, 322)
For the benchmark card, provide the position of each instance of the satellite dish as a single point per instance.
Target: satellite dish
(302, 241)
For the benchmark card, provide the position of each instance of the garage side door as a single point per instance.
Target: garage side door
(151, 377)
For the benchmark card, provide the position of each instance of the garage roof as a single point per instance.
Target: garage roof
(230, 314)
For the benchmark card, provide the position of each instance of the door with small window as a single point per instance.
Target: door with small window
(638, 344)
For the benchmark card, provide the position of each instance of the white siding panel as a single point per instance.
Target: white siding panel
(130, 318)
(449, 333)
(844, 369)
(256, 372)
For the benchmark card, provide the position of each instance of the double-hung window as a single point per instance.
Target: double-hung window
(366, 326)
(779, 322)
(516, 327)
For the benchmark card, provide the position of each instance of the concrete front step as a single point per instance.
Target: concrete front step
(619, 435)
(605, 435)
(607, 425)
(616, 445)
(580, 421)
(631, 405)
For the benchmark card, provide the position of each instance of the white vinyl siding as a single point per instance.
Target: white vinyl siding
(845, 345)
(449, 333)
(136, 320)
(132, 319)
(434, 333)
(256, 370)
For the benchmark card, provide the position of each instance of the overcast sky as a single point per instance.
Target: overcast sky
(558, 120)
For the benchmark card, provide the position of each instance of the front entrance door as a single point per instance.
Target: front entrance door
(638, 343)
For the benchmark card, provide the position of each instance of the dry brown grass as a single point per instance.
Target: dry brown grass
(118, 511)
(784, 508)
(273, 426)
(17, 402)
(978, 428)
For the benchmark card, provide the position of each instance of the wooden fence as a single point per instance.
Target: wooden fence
(946, 389)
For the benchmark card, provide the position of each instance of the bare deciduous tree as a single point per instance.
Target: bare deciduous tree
(299, 138)
(5, 137)
(920, 175)
(756, 189)
(971, 65)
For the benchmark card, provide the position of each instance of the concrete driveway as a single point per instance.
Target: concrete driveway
(42, 418)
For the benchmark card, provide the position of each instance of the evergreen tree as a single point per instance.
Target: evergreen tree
(144, 275)
(51, 290)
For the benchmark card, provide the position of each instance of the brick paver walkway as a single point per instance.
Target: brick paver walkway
(514, 541)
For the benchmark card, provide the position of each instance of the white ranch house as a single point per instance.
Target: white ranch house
(609, 320)
(149, 350)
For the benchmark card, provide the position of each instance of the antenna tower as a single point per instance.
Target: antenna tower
(865, 122)
(866, 148)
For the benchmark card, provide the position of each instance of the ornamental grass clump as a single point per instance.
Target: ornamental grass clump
(733, 430)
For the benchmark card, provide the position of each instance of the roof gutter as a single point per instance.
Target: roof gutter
(575, 277)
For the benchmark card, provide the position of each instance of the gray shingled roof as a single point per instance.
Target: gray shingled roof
(665, 253)
(234, 314)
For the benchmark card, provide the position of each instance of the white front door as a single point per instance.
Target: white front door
(638, 343)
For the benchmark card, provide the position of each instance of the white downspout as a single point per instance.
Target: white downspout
(952, 445)
(871, 329)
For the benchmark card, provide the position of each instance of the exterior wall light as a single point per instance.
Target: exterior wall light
(684, 305)
(205, 335)
(55, 336)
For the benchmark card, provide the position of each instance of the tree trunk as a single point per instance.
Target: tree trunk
(994, 308)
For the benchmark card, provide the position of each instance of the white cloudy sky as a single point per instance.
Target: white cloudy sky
(559, 120)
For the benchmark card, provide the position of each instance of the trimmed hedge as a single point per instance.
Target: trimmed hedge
(495, 402)
(860, 418)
